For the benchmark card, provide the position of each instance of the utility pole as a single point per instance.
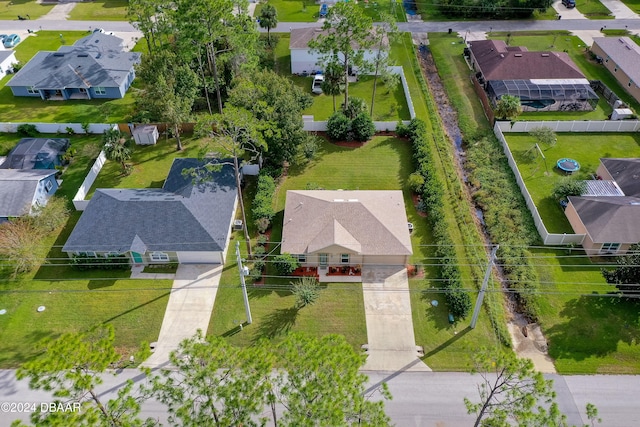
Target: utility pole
(483, 288)
(243, 272)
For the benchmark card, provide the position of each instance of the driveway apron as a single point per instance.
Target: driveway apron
(189, 308)
(391, 340)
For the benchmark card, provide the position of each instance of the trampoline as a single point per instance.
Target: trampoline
(568, 165)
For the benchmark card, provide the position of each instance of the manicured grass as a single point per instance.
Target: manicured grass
(562, 41)
(134, 307)
(308, 10)
(593, 9)
(586, 148)
(151, 164)
(100, 10)
(633, 5)
(46, 40)
(601, 112)
(587, 334)
(10, 9)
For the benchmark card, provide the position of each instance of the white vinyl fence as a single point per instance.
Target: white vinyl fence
(547, 238)
(57, 127)
(573, 126)
(78, 200)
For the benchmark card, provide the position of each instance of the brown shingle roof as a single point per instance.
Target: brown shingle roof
(362, 222)
(501, 62)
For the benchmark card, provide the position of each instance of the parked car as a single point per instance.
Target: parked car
(569, 3)
(2, 37)
(11, 40)
(324, 9)
(316, 86)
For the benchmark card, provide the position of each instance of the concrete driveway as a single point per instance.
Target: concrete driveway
(619, 9)
(189, 308)
(391, 340)
(566, 13)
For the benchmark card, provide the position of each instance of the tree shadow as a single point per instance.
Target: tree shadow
(594, 326)
(131, 310)
(448, 342)
(277, 323)
(29, 348)
(99, 284)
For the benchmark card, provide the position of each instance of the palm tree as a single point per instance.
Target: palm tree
(116, 150)
(268, 19)
(333, 80)
(508, 106)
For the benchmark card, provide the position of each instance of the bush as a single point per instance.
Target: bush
(402, 130)
(568, 187)
(338, 127)
(110, 262)
(27, 129)
(355, 107)
(262, 205)
(262, 224)
(285, 264)
(415, 182)
(259, 251)
(306, 290)
(262, 240)
(362, 127)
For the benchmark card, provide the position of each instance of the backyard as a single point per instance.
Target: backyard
(569, 311)
(541, 176)
(26, 109)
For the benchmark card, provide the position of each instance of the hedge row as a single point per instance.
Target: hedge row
(262, 205)
(432, 194)
(110, 262)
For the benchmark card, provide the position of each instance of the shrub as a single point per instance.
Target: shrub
(259, 251)
(402, 130)
(568, 187)
(27, 129)
(355, 107)
(262, 205)
(362, 127)
(262, 224)
(70, 130)
(338, 126)
(415, 182)
(285, 264)
(262, 239)
(306, 290)
(309, 147)
(110, 262)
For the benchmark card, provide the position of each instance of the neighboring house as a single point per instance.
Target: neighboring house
(184, 221)
(341, 231)
(36, 153)
(609, 211)
(303, 61)
(621, 56)
(21, 190)
(544, 81)
(95, 67)
(7, 58)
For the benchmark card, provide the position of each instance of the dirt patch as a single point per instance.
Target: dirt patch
(416, 201)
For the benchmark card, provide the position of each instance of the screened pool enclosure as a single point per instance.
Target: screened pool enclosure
(546, 94)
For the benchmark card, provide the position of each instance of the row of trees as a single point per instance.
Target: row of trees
(211, 383)
(496, 9)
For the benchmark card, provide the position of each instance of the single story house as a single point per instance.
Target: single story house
(185, 221)
(23, 189)
(94, 67)
(621, 56)
(7, 59)
(544, 81)
(337, 232)
(609, 211)
(36, 153)
(303, 60)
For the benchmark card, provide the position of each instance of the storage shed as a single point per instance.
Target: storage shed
(145, 135)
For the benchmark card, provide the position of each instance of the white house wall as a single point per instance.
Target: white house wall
(304, 61)
(6, 64)
(201, 257)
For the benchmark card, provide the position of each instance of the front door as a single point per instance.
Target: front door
(323, 260)
(137, 258)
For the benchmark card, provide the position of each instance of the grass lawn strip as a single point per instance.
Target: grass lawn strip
(593, 9)
(586, 148)
(9, 10)
(100, 10)
(309, 10)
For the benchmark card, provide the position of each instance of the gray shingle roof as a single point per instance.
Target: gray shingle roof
(36, 153)
(626, 173)
(610, 219)
(363, 222)
(18, 188)
(624, 52)
(93, 61)
(182, 216)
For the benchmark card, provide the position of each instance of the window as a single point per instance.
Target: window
(609, 247)
(302, 258)
(111, 254)
(323, 259)
(100, 90)
(344, 258)
(159, 256)
(48, 185)
(82, 90)
(31, 90)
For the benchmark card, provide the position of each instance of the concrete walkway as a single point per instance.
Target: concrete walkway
(189, 308)
(391, 340)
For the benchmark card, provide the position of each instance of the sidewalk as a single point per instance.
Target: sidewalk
(189, 308)
(391, 340)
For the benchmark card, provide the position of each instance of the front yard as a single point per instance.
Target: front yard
(100, 10)
(10, 9)
(586, 148)
(309, 10)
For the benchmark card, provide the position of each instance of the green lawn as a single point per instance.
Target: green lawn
(562, 41)
(633, 5)
(10, 9)
(602, 112)
(308, 10)
(593, 9)
(586, 148)
(100, 10)
(46, 40)
(587, 334)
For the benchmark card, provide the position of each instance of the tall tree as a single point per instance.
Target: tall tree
(320, 383)
(333, 79)
(278, 104)
(508, 107)
(213, 383)
(383, 34)
(512, 390)
(626, 276)
(347, 35)
(148, 17)
(72, 367)
(268, 19)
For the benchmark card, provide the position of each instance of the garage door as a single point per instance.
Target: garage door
(199, 257)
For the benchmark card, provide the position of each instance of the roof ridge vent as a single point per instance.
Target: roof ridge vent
(544, 54)
(517, 55)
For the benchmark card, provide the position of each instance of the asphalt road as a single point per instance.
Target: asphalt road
(420, 399)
